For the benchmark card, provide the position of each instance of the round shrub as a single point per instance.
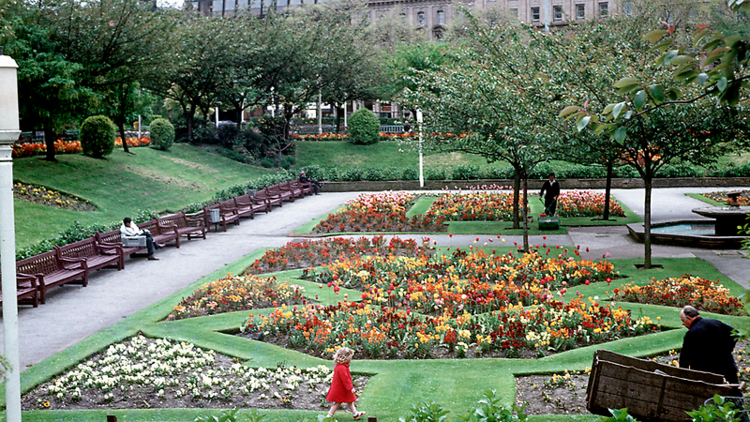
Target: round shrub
(97, 136)
(364, 127)
(162, 134)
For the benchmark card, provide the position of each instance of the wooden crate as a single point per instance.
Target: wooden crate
(649, 390)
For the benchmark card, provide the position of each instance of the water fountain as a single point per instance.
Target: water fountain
(721, 233)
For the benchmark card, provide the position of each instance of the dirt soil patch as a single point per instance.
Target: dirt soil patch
(565, 394)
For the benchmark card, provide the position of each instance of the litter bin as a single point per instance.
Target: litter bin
(214, 215)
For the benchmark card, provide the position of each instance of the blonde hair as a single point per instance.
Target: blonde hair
(343, 355)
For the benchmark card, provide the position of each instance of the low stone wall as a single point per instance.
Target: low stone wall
(677, 182)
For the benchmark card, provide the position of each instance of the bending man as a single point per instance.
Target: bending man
(708, 345)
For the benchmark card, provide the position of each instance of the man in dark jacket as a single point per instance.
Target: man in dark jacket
(708, 345)
(553, 192)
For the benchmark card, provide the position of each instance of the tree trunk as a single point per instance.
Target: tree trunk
(338, 119)
(516, 189)
(121, 128)
(647, 183)
(525, 213)
(608, 190)
(189, 113)
(49, 140)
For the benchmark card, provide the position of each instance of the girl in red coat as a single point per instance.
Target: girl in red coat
(342, 389)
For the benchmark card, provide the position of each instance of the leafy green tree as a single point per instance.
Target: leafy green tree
(199, 57)
(116, 42)
(496, 93)
(51, 96)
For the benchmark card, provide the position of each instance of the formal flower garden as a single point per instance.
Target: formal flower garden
(704, 295)
(721, 197)
(583, 203)
(379, 212)
(237, 293)
(162, 373)
(49, 197)
(390, 300)
(28, 149)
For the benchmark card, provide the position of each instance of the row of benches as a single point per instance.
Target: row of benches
(72, 263)
(232, 210)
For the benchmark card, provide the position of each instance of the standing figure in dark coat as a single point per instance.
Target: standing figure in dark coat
(708, 345)
(552, 187)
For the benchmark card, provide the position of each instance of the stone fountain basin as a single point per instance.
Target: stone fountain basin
(705, 241)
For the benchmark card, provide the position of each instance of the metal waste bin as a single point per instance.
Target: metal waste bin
(214, 215)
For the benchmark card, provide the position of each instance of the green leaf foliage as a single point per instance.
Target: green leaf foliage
(364, 127)
(97, 135)
(162, 134)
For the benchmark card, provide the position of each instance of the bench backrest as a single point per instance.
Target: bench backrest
(151, 226)
(113, 236)
(177, 220)
(229, 203)
(81, 249)
(45, 263)
(244, 199)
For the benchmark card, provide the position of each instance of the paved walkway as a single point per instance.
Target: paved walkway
(73, 313)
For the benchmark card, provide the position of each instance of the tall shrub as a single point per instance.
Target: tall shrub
(97, 136)
(364, 127)
(162, 134)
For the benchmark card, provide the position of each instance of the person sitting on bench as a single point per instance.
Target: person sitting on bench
(129, 229)
(306, 180)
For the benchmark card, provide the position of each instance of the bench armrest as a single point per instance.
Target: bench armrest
(195, 220)
(69, 263)
(110, 248)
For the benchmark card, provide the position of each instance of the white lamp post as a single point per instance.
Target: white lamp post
(421, 161)
(9, 132)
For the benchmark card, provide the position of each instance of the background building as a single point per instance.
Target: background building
(434, 16)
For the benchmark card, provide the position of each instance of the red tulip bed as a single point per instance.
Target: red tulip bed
(586, 204)
(380, 212)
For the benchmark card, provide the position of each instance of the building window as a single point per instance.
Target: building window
(603, 9)
(580, 11)
(441, 17)
(514, 11)
(420, 18)
(558, 16)
(535, 16)
(627, 8)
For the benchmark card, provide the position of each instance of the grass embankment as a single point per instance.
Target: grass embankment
(455, 383)
(121, 184)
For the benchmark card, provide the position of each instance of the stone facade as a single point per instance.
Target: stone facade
(434, 16)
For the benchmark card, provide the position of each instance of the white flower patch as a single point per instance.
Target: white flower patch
(158, 369)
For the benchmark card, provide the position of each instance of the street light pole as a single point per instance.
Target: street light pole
(9, 132)
(421, 160)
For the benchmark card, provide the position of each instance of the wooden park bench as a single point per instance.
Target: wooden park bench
(247, 201)
(216, 214)
(114, 237)
(283, 189)
(27, 289)
(180, 225)
(50, 269)
(97, 255)
(159, 234)
(271, 197)
(295, 187)
(306, 188)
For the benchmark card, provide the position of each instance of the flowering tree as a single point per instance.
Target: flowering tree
(660, 133)
(498, 93)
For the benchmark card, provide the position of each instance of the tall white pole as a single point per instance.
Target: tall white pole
(421, 160)
(140, 123)
(345, 113)
(319, 111)
(217, 117)
(9, 132)
(547, 11)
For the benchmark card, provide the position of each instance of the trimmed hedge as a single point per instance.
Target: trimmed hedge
(97, 136)
(162, 134)
(364, 127)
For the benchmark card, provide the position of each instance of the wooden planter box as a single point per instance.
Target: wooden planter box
(651, 391)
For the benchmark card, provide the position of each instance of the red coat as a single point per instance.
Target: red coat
(341, 385)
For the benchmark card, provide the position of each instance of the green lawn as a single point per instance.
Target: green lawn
(456, 384)
(122, 184)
